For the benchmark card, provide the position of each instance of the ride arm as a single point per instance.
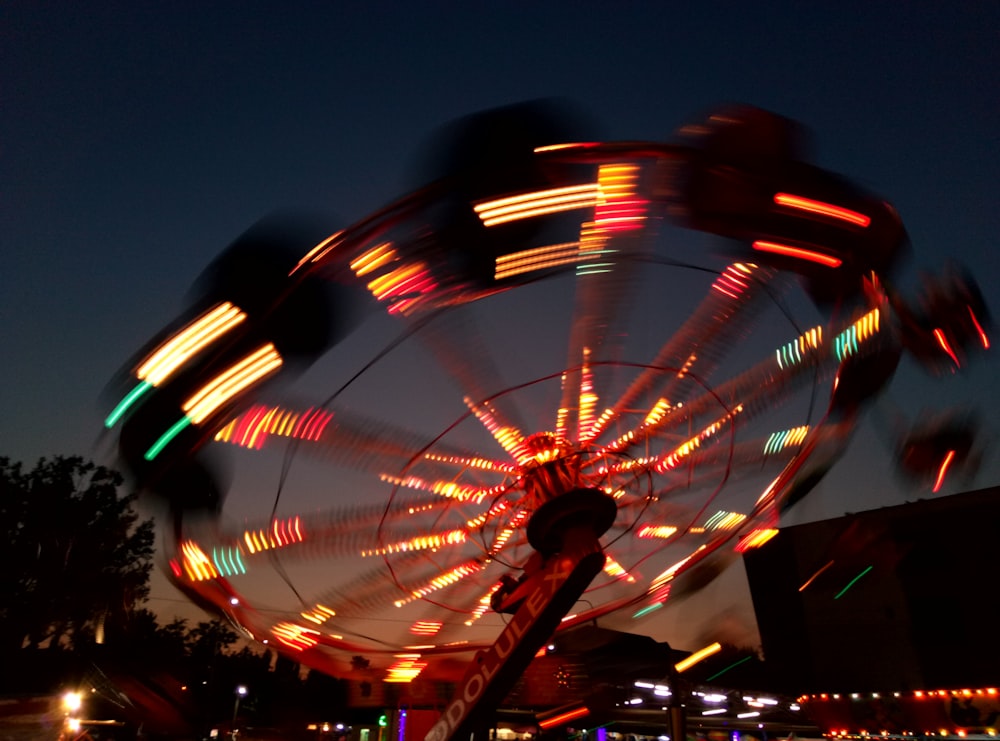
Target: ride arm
(542, 599)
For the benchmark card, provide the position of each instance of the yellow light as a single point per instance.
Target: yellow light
(376, 257)
(197, 565)
(72, 701)
(768, 492)
(537, 203)
(230, 382)
(319, 614)
(421, 543)
(669, 574)
(295, 636)
(510, 438)
(198, 334)
(318, 252)
(697, 656)
(501, 540)
(540, 207)
(537, 258)
(686, 448)
(447, 489)
(519, 200)
(280, 533)
(441, 581)
(387, 284)
(484, 464)
(252, 427)
(660, 408)
(426, 627)
(756, 538)
(723, 520)
(483, 605)
(588, 399)
(614, 569)
(406, 668)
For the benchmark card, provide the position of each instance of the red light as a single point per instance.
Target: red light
(943, 342)
(317, 424)
(425, 627)
(569, 145)
(812, 578)
(566, 717)
(280, 534)
(623, 215)
(821, 208)
(723, 291)
(809, 255)
(979, 328)
(943, 470)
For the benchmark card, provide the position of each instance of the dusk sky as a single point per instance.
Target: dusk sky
(138, 139)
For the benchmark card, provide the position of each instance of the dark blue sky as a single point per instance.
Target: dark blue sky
(137, 139)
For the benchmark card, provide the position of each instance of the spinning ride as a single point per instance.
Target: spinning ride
(556, 379)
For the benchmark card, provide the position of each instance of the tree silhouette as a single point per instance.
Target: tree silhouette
(75, 562)
(75, 558)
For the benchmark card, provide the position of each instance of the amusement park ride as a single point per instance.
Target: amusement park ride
(656, 444)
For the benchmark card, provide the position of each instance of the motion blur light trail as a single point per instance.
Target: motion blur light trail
(576, 349)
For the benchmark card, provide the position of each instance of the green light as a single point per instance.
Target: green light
(166, 437)
(846, 343)
(776, 442)
(383, 721)
(716, 518)
(646, 610)
(240, 566)
(789, 354)
(223, 568)
(731, 666)
(227, 561)
(125, 403)
(769, 446)
(235, 564)
(594, 268)
(851, 582)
